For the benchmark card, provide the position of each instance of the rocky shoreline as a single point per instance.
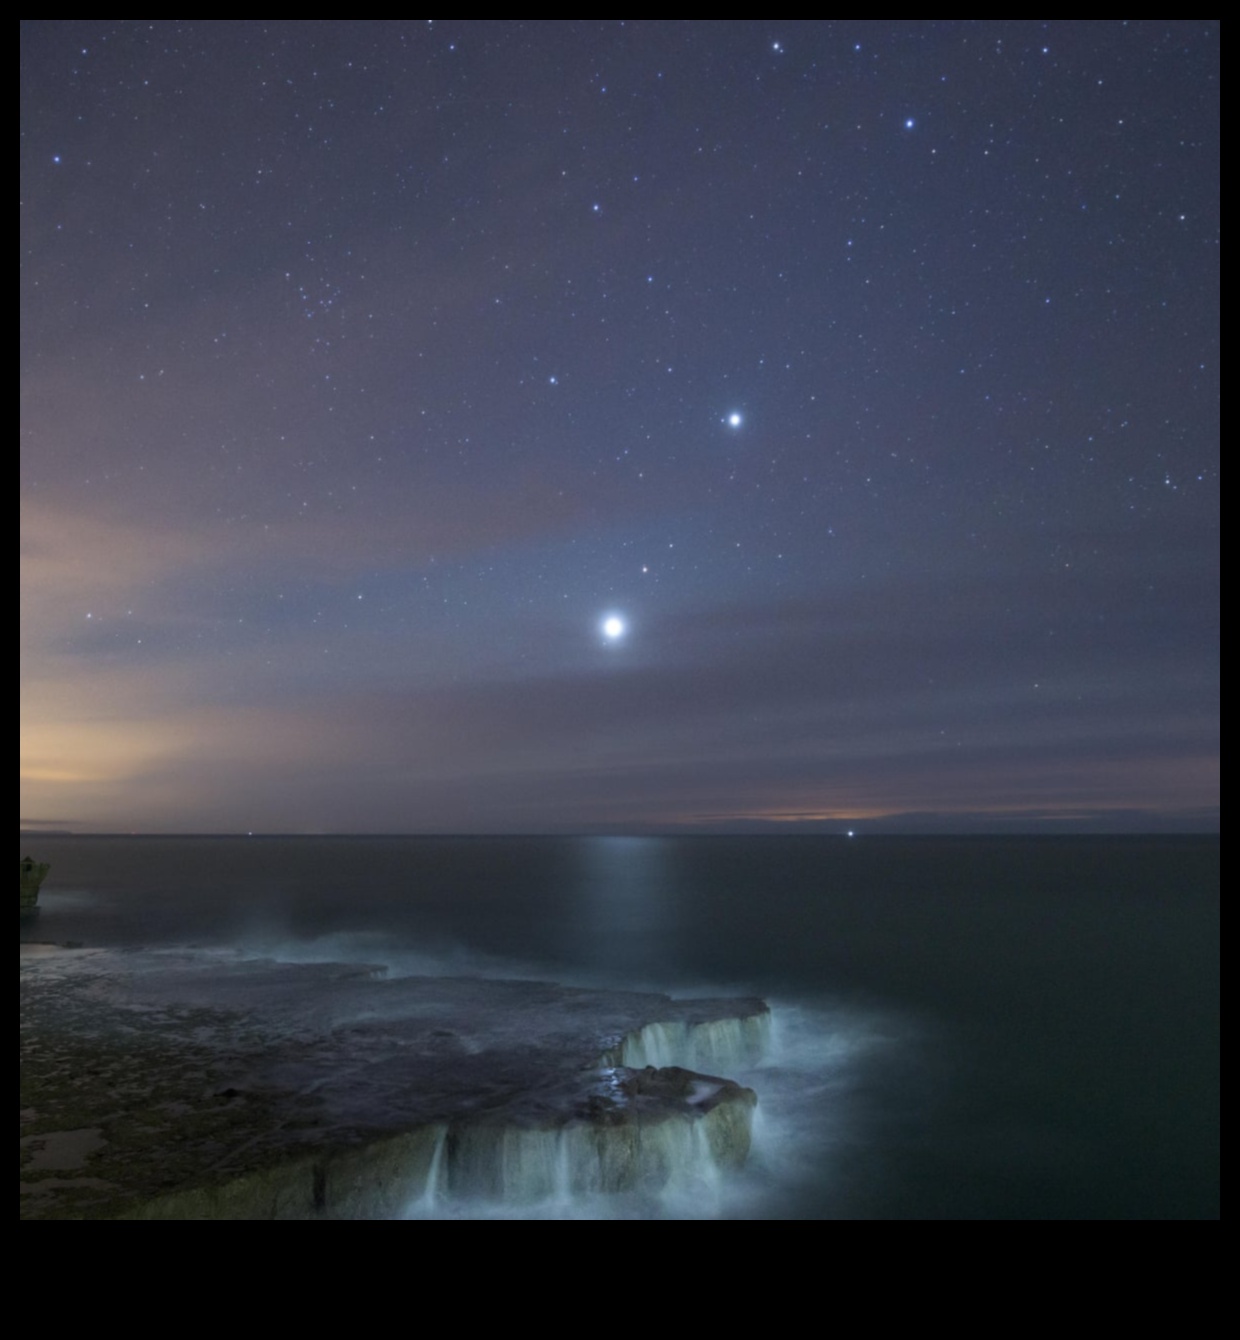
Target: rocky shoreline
(195, 1084)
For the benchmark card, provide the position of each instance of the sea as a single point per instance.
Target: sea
(963, 1027)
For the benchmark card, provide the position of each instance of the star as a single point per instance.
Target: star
(734, 420)
(613, 628)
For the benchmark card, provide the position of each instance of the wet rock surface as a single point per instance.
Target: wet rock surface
(201, 1084)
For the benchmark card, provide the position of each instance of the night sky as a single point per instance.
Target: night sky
(865, 374)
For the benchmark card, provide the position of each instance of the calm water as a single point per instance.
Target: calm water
(967, 1028)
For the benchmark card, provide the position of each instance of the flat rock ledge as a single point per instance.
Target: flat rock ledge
(196, 1084)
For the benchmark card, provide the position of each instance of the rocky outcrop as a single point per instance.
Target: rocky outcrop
(196, 1085)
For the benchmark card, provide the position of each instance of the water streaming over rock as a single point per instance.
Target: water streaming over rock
(716, 1046)
(677, 1157)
